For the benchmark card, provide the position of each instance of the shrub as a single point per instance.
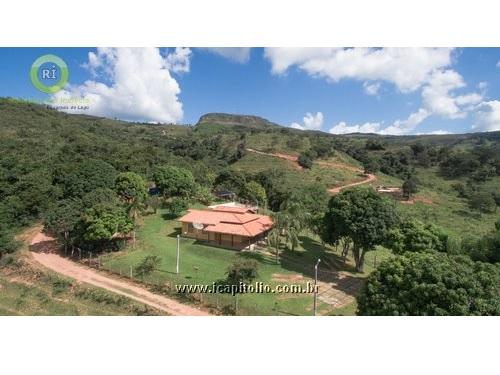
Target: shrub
(60, 285)
(176, 206)
(305, 161)
(147, 265)
(483, 201)
(7, 243)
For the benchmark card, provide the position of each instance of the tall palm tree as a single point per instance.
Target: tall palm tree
(134, 208)
(294, 221)
(274, 238)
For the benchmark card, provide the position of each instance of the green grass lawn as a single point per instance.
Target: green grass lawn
(203, 264)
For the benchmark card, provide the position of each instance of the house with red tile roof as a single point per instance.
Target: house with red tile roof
(226, 226)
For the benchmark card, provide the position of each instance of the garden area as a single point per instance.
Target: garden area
(203, 264)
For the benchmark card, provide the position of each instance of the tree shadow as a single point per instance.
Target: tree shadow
(49, 246)
(258, 257)
(332, 268)
(169, 216)
(174, 234)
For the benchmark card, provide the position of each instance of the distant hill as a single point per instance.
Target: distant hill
(248, 121)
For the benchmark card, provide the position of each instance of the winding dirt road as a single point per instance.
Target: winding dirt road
(43, 250)
(334, 190)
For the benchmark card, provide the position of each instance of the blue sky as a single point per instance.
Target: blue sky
(389, 91)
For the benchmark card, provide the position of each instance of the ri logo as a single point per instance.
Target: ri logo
(49, 74)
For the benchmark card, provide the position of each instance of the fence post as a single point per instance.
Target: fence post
(131, 273)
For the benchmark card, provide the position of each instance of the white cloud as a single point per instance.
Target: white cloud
(482, 85)
(371, 88)
(407, 68)
(237, 54)
(487, 116)
(498, 64)
(439, 99)
(179, 60)
(435, 132)
(399, 127)
(367, 127)
(137, 84)
(310, 122)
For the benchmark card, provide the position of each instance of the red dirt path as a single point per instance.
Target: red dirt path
(43, 250)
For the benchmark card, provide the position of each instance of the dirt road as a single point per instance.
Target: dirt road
(43, 251)
(334, 190)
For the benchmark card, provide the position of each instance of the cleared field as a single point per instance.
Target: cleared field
(323, 174)
(447, 209)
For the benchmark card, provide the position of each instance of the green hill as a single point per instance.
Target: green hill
(39, 144)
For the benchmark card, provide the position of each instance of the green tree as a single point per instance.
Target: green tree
(153, 201)
(174, 181)
(254, 192)
(147, 265)
(371, 165)
(130, 187)
(243, 271)
(62, 220)
(83, 177)
(413, 235)
(431, 284)
(177, 206)
(274, 239)
(7, 242)
(203, 195)
(102, 222)
(409, 187)
(485, 248)
(293, 220)
(483, 201)
(231, 180)
(362, 215)
(313, 200)
(305, 161)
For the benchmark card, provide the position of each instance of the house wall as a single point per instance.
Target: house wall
(218, 239)
(223, 240)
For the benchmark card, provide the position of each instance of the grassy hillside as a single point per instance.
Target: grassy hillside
(38, 142)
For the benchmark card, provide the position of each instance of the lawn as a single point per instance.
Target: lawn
(202, 264)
